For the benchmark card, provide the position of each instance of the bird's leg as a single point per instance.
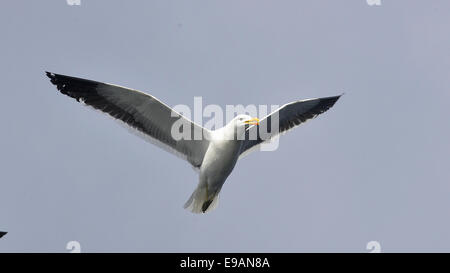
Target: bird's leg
(207, 202)
(205, 205)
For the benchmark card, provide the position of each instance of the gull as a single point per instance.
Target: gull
(214, 154)
(2, 233)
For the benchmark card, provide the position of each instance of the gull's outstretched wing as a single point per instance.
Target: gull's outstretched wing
(2, 233)
(289, 116)
(139, 111)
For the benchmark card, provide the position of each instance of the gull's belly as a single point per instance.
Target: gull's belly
(218, 163)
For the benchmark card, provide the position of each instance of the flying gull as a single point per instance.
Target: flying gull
(214, 154)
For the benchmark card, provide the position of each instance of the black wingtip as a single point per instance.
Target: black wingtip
(327, 102)
(335, 98)
(332, 100)
(3, 233)
(51, 76)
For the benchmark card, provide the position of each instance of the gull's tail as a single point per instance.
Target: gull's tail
(202, 202)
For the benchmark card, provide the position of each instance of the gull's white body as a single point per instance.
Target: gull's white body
(219, 161)
(215, 156)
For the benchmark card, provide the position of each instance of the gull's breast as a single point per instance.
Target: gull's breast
(219, 161)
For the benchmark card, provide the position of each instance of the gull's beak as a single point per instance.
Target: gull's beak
(253, 121)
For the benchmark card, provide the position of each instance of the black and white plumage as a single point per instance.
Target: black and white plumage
(3, 233)
(138, 110)
(214, 154)
(287, 117)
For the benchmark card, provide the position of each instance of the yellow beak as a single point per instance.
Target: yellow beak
(253, 121)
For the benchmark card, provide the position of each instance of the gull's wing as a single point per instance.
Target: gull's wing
(289, 116)
(139, 111)
(2, 233)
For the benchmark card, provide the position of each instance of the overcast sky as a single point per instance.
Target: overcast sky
(374, 167)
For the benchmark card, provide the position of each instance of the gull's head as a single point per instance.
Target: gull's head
(236, 128)
(243, 121)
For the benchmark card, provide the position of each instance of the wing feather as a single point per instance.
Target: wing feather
(289, 116)
(137, 110)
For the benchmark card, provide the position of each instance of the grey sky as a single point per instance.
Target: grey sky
(374, 167)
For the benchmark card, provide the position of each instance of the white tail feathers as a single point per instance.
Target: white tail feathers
(200, 202)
